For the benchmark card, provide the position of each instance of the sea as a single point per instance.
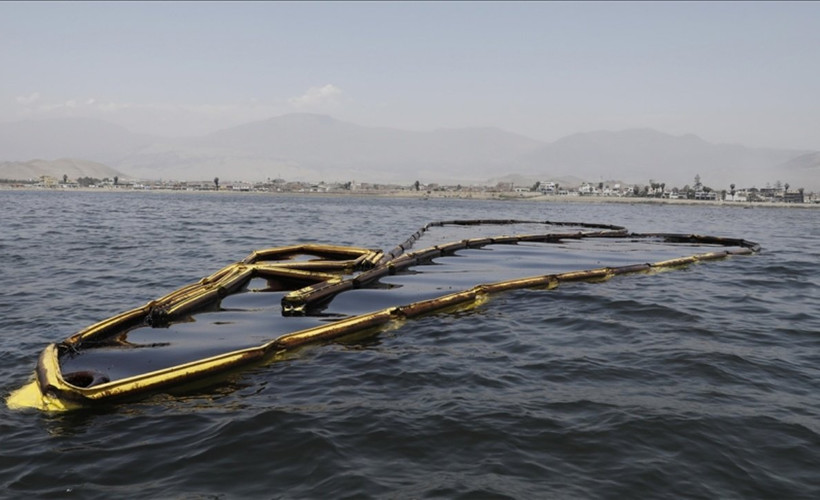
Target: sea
(702, 382)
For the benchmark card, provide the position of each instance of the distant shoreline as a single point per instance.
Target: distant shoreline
(601, 199)
(443, 195)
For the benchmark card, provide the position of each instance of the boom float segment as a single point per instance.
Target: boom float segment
(313, 275)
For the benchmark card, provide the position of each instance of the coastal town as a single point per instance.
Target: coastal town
(776, 192)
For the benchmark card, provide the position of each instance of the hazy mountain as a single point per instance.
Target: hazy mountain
(85, 138)
(316, 147)
(324, 140)
(802, 171)
(319, 147)
(638, 155)
(72, 168)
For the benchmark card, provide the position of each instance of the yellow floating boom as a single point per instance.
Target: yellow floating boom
(329, 271)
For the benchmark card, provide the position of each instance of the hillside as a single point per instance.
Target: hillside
(802, 171)
(73, 169)
(316, 147)
(638, 155)
(84, 138)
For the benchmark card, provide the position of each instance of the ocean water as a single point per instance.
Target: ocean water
(695, 383)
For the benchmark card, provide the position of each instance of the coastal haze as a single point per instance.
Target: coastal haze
(435, 92)
(316, 148)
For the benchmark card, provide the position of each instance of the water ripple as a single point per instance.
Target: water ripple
(695, 383)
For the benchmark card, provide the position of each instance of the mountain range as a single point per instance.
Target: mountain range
(317, 147)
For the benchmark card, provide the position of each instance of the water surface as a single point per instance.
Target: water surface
(693, 383)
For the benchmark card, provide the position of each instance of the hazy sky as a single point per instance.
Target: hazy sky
(738, 72)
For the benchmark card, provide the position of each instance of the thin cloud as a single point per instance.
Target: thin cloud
(317, 96)
(69, 104)
(25, 100)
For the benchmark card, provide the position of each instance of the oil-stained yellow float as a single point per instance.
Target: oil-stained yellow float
(279, 299)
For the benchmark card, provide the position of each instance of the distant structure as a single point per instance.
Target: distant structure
(793, 196)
